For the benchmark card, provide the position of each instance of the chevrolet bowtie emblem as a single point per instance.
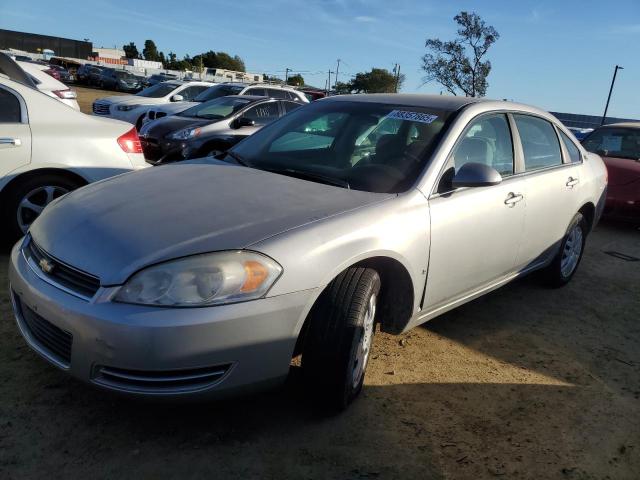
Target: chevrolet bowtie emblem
(45, 265)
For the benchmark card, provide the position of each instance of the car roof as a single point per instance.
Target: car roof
(438, 102)
(622, 124)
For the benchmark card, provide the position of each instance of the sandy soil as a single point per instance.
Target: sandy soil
(87, 95)
(524, 383)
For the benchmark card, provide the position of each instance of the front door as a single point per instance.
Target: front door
(475, 232)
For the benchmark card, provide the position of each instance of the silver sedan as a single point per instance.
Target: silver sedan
(206, 278)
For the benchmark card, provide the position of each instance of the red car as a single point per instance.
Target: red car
(619, 146)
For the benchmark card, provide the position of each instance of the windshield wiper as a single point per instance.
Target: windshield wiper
(238, 159)
(317, 177)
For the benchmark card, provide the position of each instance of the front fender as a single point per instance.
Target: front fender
(313, 255)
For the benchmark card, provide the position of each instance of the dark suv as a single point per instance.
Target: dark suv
(119, 80)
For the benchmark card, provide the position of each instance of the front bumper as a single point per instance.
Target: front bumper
(154, 351)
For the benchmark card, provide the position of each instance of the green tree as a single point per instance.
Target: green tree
(457, 64)
(342, 88)
(378, 80)
(223, 60)
(296, 80)
(131, 51)
(150, 51)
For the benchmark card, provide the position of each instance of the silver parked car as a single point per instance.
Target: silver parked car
(206, 278)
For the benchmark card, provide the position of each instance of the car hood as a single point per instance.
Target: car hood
(115, 227)
(174, 107)
(622, 171)
(161, 127)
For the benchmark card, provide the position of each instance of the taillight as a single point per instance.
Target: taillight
(65, 94)
(129, 142)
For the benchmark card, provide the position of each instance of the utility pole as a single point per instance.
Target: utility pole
(329, 83)
(615, 72)
(396, 69)
(286, 75)
(337, 70)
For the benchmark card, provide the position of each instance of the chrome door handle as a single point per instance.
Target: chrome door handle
(572, 182)
(513, 198)
(16, 142)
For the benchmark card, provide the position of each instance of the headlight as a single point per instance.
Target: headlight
(126, 108)
(185, 134)
(200, 280)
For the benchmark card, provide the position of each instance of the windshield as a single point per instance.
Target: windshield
(217, 92)
(216, 109)
(360, 145)
(158, 90)
(614, 142)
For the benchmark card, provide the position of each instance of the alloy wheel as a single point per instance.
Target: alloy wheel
(34, 202)
(364, 345)
(571, 252)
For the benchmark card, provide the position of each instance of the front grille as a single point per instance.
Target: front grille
(152, 381)
(53, 340)
(101, 108)
(68, 277)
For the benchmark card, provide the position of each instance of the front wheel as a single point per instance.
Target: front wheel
(26, 200)
(566, 262)
(338, 342)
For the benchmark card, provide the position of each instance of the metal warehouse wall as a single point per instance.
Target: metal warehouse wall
(31, 42)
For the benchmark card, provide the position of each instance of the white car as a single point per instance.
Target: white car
(48, 149)
(223, 90)
(49, 85)
(131, 108)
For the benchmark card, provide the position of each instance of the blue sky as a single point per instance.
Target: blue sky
(558, 55)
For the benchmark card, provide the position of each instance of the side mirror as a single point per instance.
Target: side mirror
(476, 175)
(177, 98)
(244, 122)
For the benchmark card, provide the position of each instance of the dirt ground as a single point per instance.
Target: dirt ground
(526, 382)
(87, 95)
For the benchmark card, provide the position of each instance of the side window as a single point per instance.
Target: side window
(256, 91)
(275, 93)
(263, 113)
(190, 93)
(539, 142)
(574, 152)
(289, 106)
(487, 140)
(9, 107)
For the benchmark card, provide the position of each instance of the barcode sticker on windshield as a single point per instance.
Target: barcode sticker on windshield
(412, 116)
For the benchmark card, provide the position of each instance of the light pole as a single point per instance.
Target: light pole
(615, 72)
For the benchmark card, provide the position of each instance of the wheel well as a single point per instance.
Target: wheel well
(395, 304)
(588, 210)
(42, 171)
(396, 293)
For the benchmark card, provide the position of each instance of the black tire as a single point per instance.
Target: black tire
(18, 192)
(332, 343)
(555, 276)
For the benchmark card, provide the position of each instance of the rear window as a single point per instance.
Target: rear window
(9, 107)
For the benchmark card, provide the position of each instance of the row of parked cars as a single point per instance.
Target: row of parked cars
(205, 277)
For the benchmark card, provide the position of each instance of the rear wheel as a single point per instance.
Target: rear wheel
(338, 342)
(26, 200)
(566, 262)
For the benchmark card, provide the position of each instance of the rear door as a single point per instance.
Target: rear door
(475, 232)
(552, 183)
(15, 134)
